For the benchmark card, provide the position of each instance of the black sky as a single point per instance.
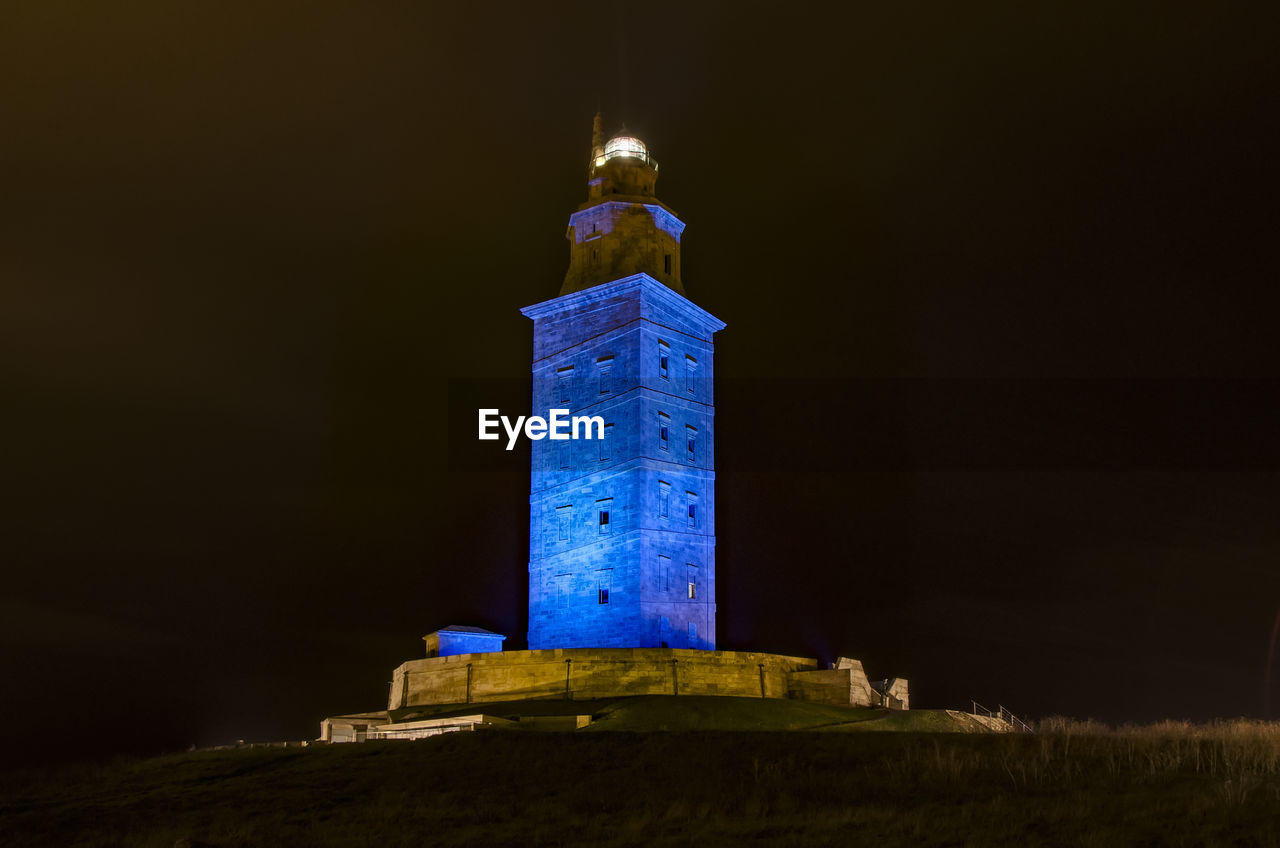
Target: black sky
(244, 249)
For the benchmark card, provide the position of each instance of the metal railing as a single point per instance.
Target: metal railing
(1002, 714)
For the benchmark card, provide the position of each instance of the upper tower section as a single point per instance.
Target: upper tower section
(622, 229)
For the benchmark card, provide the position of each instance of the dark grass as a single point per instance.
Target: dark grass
(1151, 787)
(692, 712)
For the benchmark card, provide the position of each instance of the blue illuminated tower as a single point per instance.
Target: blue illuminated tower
(622, 529)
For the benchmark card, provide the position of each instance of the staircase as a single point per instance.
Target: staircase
(997, 721)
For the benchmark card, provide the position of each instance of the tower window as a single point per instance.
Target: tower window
(604, 515)
(664, 499)
(564, 516)
(606, 442)
(691, 441)
(690, 374)
(564, 454)
(692, 510)
(666, 263)
(562, 383)
(663, 577)
(692, 588)
(664, 429)
(664, 360)
(605, 366)
(602, 596)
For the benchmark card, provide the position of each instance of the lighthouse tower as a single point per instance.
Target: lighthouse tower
(622, 529)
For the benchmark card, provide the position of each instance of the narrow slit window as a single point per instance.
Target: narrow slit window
(666, 264)
(604, 516)
(605, 366)
(664, 431)
(664, 360)
(602, 596)
(563, 385)
(564, 517)
(691, 441)
(664, 499)
(606, 443)
(663, 576)
(692, 587)
(690, 374)
(692, 510)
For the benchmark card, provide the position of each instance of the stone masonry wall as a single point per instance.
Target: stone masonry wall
(639, 356)
(592, 673)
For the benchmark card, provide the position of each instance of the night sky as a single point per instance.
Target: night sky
(1027, 254)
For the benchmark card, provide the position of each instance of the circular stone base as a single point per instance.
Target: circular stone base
(585, 673)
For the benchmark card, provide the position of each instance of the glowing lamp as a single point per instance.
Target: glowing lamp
(628, 147)
(625, 145)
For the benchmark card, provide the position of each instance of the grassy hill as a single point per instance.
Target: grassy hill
(686, 713)
(1166, 785)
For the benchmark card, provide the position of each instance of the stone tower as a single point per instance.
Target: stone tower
(622, 529)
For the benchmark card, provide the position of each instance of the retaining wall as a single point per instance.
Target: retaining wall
(582, 673)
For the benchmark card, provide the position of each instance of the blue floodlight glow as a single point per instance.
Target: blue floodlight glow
(634, 524)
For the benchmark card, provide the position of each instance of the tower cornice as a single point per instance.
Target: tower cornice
(651, 289)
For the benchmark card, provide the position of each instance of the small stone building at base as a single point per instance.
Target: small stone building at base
(462, 639)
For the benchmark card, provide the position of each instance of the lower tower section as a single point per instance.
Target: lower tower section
(622, 527)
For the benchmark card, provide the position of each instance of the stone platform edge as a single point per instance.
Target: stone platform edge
(590, 673)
